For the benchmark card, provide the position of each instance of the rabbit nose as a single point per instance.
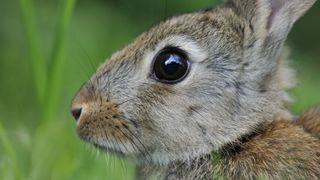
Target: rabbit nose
(76, 113)
(79, 104)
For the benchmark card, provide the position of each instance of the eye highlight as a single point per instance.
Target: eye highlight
(171, 65)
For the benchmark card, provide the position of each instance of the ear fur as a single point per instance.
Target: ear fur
(268, 23)
(271, 17)
(284, 13)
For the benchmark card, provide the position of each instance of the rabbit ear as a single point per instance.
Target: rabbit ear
(268, 24)
(271, 17)
(284, 13)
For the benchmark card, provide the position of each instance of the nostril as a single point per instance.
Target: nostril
(76, 113)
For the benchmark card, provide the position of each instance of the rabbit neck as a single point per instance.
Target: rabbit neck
(197, 168)
(205, 166)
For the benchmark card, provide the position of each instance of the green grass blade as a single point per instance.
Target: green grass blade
(56, 63)
(38, 63)
(9, 150)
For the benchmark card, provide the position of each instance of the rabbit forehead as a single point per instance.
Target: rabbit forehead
(219, 29)
(198, 34)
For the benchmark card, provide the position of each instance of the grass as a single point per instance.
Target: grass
(55, 73)
(38, 63)
(47, 77)
(42, 69)
(9, 152)
(45, 155)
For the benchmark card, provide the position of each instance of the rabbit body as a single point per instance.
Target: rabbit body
(277, 150)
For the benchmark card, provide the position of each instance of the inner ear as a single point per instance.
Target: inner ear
(284, 13)
(275, 6)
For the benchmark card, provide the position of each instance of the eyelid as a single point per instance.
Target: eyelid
(191, 48)
(175, 49)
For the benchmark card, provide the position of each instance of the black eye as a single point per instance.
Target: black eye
(171, 65)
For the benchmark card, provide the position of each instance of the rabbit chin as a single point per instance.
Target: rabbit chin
(159, 157)
(123, 148)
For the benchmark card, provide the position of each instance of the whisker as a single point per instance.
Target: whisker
(143, 146)
(134, 145)
(128, 100)
(130, 140)
(143, 151)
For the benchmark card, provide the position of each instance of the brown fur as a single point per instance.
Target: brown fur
(310, 121)
(276, 150)
(279, 150)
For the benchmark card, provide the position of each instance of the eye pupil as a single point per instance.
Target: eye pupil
(170, 65)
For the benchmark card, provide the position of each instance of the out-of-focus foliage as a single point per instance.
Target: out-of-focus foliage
(36, 144)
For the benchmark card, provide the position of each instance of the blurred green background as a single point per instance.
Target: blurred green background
(49, 48)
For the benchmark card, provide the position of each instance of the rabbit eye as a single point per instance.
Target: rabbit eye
(171, 65)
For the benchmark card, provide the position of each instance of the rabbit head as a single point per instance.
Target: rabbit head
(192, 83)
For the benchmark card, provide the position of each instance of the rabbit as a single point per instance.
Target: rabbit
(203, 95)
